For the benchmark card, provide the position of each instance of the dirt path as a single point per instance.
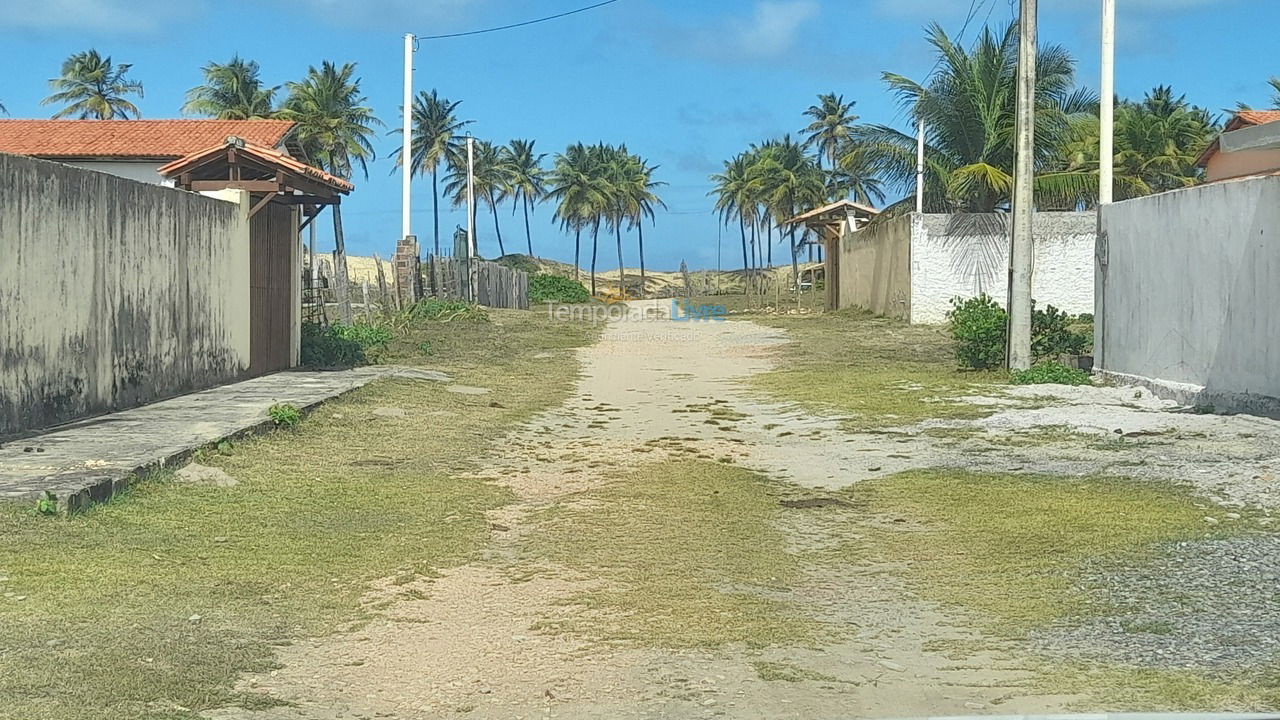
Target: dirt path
(474, 641)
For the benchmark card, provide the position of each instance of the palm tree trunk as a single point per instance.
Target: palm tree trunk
(640, 230)
(502, 251)
(795, 266)
(742, 227)
(577, 253)
(595, 250)
(435, 204)
(528, 235)
(769, 244)
(622, 272)
(340, 268)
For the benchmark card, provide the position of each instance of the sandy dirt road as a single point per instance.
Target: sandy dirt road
(469, 642)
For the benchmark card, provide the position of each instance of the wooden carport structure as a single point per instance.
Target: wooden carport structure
(832, 223)
(285, 195)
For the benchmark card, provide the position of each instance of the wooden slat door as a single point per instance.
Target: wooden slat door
(271, 238)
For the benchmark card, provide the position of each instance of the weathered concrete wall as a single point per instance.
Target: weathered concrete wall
(1187, 294)
(874, 268)
(113, 293)
(967, 255)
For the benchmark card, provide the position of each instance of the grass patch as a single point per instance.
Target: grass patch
(1009, 546)
(1124, 689)
(152, 605)
(688, 551)
(880, 373)
(787, 672)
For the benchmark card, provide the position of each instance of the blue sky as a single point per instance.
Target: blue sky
(685, 83)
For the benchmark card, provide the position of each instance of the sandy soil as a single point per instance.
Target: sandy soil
(466, 642)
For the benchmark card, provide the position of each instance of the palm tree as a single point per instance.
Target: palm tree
(639, 188)
(1157, 143)
(92, 87)
(527, 179)
(832, 127)
(732, 201)
(436, 133)
(786, 179)
(573, 185)
(231, 91)
(968, 108)
(335, 125)
(489, 179)
(856, 175)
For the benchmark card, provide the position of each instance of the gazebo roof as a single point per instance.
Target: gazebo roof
(239, 165)
(833, 212)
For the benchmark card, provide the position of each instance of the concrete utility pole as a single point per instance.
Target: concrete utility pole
(1107, 105)
(471, 216)
(406, 152)
(1023, 244)
(920, 166)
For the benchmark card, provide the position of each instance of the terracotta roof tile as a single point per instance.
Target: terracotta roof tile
(1257, 117)
(152, 139)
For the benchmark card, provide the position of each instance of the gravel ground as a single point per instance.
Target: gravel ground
(1211, 605)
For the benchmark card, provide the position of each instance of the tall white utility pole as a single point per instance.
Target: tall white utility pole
(471, 216)
(920, 166)
(406, 153)
(1023, 250)
(1107, 106)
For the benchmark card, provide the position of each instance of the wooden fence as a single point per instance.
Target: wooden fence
(495, 285)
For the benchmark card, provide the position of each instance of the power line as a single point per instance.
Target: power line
(519, 24)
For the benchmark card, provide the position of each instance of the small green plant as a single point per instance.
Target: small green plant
(372, 338)
(322, 347)
(546, 288)
(47, 504)
(978, 328)
(438, 310)
(1050, 372)
(285, 415)
(426, 348)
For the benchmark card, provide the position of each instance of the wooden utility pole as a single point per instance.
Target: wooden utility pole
(1022, 252)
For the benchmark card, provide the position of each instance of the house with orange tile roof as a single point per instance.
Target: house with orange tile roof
(136, 149)
(1243, 149)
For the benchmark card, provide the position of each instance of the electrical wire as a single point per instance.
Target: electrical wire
(519, 24)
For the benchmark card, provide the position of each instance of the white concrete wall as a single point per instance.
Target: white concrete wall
(965, 255)
(113, 293)
(140, 171)
(1188, 290)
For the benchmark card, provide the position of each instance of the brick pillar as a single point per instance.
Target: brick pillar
(408, 270)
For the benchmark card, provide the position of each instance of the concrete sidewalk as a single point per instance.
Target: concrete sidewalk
(91, 460)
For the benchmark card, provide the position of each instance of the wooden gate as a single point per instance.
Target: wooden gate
(271, 240)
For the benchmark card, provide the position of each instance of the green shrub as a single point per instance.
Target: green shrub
(1050, 372)
(323, 348)
(1053, 333)
(546, 288)
(343, 345)
(978, 328)
(285, 415)
(519, 262)
(437, 310)
(373, 339)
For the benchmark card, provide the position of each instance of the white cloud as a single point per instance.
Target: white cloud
(424, 17)
(770, 30)
(125, 17)
(773, 27)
